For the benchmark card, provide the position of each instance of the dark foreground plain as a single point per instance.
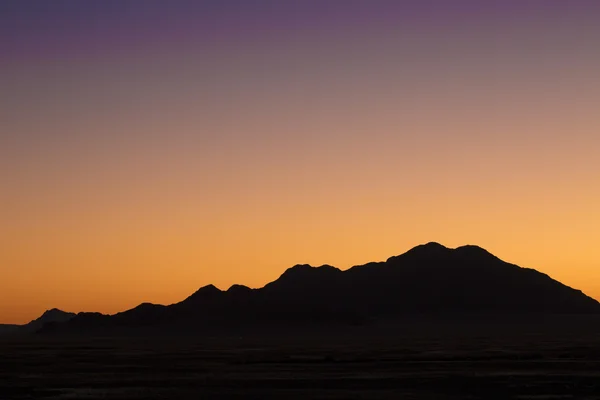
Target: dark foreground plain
(525, 358)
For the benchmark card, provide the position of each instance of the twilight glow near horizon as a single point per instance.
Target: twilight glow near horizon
(148, 148)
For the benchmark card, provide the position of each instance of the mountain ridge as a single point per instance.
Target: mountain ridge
(53, 315)
(429, 279)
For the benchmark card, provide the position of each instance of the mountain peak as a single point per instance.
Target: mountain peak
(205, 292)
(146, 305)
(52, 315)
(302, 276)
(427, 250)
(305, 269)
(238, 289)
(55, 313)
(472, 248)
(475, 253)
(430, 247)
(434, 245)
(209, 289)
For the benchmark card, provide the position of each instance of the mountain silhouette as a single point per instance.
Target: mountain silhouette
(428, 280)
(50, 316)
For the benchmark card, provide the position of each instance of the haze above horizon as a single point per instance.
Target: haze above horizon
(149, 149)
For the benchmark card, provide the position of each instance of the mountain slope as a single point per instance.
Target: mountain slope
(429, 279)
(53, 316)
(50, 316)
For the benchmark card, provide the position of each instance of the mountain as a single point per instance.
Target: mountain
(428, 280)
(50, 316)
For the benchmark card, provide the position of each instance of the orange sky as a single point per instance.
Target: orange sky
(141, 175)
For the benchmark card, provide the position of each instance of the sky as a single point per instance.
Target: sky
(148, 148)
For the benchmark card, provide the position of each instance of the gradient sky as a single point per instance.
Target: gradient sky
(148, 148)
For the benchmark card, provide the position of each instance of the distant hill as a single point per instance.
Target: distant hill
(54, 315)
(428, 280)
(50, 316)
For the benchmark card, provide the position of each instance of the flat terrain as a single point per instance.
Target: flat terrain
(558, 360)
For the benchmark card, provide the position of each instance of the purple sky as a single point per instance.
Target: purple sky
(64, 28)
